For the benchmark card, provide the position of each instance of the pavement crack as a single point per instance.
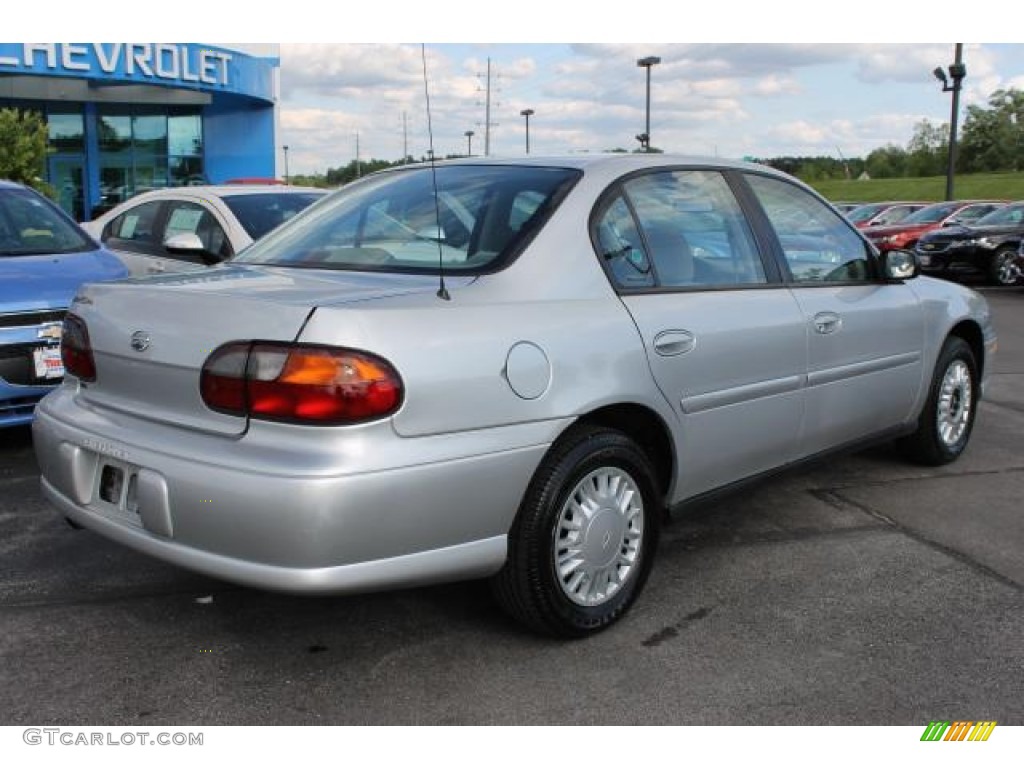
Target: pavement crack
(834, 495)
(729, 538)
(107, 598)
(1008, 406)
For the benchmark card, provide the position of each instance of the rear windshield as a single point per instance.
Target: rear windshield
(260, 213)
(394, 222)
(31, 226)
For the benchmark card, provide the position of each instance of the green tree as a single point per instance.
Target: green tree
(352, 171)
(927, 152)
(993, 138)
(888, 162)
(23, 137)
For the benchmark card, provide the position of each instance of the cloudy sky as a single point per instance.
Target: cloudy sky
(737, 77)
(726, 99)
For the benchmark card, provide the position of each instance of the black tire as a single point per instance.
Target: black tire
(945, 424)
(619, 539)
(1002, 270)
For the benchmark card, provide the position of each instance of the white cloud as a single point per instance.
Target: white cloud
(760, 99)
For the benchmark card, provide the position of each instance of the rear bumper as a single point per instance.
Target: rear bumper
(352, 513)
(462, 561)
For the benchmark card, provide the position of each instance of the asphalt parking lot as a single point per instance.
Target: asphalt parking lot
(861, 590)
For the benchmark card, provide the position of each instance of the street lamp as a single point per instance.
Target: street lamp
(645, 138)
(526, 113)
(285, 148)
(469, 143)
(957, 72)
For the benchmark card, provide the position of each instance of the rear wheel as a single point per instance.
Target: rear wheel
(585, 535)
(1003, 268)
(945, 424)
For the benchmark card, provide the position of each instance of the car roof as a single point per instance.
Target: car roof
(225, 190)
(590, 160)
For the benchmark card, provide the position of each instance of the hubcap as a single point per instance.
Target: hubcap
(598, 536)
(1006, 270)
(954, 411)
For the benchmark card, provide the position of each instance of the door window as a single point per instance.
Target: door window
(688, 231)
(193, 218)
(818, 244)
(135, 229)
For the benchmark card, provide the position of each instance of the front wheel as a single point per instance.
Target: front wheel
(1003, 268)
(945, 424)
(585, 535)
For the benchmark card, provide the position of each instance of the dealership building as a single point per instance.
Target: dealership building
(127, 117)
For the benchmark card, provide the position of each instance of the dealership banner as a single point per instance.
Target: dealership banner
(178, 65)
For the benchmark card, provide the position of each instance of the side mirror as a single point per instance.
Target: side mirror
(900, 265)
(184, 242)
(189, 243)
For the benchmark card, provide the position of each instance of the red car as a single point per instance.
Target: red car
(905, 234)
(877, 214)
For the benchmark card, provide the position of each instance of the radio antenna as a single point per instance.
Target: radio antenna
(442, 291)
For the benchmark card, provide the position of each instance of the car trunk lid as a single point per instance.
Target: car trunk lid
(151, 337)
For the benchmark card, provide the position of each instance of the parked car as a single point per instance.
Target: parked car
(44, 256)
(505, 369)
(881, 214)
(906, 234)
(845, 208)
(987, 247)
(189, 228)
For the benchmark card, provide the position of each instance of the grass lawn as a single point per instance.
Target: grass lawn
(984, 186)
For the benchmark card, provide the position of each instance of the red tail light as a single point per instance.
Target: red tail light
(300, 382)
(75, 349)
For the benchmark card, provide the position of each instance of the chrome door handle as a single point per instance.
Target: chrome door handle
(827, 322)
(670, 343)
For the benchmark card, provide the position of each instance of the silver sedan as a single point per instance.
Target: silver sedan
(504, 369)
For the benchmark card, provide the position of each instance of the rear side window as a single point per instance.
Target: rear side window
(677, 229)
(819, 246)
(137, 225)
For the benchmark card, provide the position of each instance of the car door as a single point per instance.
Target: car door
(864, 333)
(135, 236)
(725, 340)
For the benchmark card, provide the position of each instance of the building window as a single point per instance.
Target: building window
(66, 132)
(139, 152)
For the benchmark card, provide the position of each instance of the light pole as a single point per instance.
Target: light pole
(469, 143)
(285, 148)
(526, 113)
(957, 72)
(645, 138)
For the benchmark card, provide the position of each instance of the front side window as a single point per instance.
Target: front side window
(475, 217)
(191, 218)
(818, 245)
